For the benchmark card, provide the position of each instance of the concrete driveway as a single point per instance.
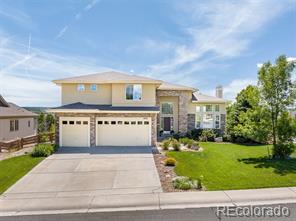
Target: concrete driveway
(90, 172)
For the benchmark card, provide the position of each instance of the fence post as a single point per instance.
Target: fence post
(22, 143)
(0, 147)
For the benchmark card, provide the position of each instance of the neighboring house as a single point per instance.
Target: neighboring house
(15, 122)
(116, 109)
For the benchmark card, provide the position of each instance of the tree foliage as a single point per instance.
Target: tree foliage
(278, 92)
(246, 118)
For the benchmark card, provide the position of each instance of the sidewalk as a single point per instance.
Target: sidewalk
(43, 204)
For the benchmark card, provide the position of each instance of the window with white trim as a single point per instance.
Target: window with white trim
(133, 92)
(209, 108)
(167, 108)
(217, 108)
(217, 122)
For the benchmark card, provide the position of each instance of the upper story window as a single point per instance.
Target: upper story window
(217, 108)
(80, 87)
(93, 87)
(133, 92)
(167, 108)
(209, 108)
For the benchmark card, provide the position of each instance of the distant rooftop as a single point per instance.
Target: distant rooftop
(199, 97)
(8, 109)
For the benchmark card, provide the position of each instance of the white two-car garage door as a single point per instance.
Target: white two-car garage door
(117, 131)
(74, 131)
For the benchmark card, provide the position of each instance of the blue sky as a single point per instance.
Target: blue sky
(196, 43)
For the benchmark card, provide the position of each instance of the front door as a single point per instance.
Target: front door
(167, 124)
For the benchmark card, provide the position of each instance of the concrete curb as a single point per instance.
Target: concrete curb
(150, 201)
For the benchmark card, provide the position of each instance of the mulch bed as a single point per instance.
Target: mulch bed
(166, 173)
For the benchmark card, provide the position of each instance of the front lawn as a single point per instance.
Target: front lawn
(12, 169)
(233, 166)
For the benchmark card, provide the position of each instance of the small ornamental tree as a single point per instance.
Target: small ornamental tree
(278, 92)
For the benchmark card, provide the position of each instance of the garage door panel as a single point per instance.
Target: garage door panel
(123, 131)
(74, 132)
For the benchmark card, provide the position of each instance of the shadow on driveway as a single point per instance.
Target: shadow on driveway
(105, 150)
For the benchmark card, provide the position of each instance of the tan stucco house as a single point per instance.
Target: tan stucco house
(15, 122)
(117, 109)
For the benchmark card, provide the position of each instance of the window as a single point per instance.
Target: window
(119, 122)
(78, 122)
(65, 122)
(140, 122)
(133, 122)
(217, 108)
(12, 125)
(209, 108)
(133, 92)
(167, 108)
(126, 122)
(93, 87)
(106, 122)
(146, 122)
(113, 122)
(217, 122)
(100, 122)
(198, 109)
(16, 125)
(29, 123)
(71, 122)
(80, 87)
(85, 122)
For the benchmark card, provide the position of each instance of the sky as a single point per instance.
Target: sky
(198, 43)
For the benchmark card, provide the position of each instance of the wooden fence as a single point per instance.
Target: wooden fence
(20, 143)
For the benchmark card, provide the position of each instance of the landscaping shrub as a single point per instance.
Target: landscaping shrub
(177, 136)
(43, 150)
(184, 140)
(195, 133)
(176, 145)
(166, 144)
(190, 143)
(170, 161)
(185, 183)
(195, 145)
(207, 135)
(283, 150)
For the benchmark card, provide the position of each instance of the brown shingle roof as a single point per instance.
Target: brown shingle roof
(108, 77)
(13, 110)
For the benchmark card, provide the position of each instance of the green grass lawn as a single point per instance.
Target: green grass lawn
(233, 166)
(12, 169)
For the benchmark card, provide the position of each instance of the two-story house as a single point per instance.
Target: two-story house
(117, 109)
(16, 122)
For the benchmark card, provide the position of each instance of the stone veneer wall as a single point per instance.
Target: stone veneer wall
(191, 122)
(184, 98)
(93, 116)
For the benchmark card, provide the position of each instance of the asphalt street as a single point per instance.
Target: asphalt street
(203, 214)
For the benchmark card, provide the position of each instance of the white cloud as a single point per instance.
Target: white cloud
(26, 80)
(235, 86)
(77, 17)
(291, 59)
(90, 5)
(62, 32)
(223, 29)
(259, 65)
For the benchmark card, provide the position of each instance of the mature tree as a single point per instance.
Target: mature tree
(246, 119)
(50, 122)
(41, 122)
(278, 92)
